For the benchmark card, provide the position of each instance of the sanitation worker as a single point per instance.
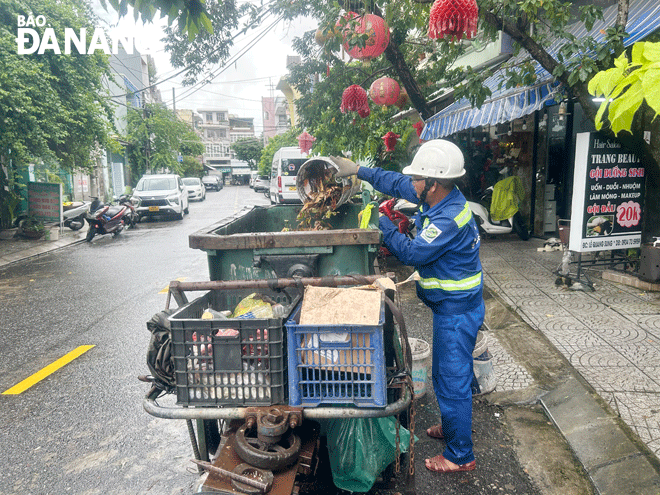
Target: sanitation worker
(445, 252)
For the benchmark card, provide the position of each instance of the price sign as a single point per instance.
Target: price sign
(608, 196)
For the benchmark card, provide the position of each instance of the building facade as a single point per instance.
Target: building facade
(214, 129)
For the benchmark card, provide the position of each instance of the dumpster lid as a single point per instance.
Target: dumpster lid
(210, 239)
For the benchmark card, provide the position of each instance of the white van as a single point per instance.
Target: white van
(286, 163)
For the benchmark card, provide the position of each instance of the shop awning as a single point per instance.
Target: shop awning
(505, 105)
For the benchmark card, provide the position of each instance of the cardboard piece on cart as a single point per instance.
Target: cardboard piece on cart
(336, 306)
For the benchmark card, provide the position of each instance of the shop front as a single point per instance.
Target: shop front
(530, 133)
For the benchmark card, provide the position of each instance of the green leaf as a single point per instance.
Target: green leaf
(599, 116)
(622, 110)
(651, 86)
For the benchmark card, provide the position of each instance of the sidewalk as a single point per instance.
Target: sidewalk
(604, 397)
(606, 400)
(13, 248)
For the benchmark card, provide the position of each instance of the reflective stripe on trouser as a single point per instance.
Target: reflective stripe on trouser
(454, 337)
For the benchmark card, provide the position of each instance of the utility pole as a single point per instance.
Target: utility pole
(173, 102)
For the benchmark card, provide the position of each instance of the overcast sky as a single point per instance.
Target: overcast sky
(240, 87)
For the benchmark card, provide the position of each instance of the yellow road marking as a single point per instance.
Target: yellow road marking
(48, 370)
(166, 289)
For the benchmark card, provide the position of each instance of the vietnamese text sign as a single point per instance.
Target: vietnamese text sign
(45, 201)
(608, 195)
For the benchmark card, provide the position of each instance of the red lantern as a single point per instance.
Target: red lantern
(419, 127)
(305, 141)
(384, 91)
(364, 112)
(374, 26)
(390, 140)
(353, 99)
(453, 18)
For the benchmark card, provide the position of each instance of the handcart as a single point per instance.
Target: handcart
(244, 385)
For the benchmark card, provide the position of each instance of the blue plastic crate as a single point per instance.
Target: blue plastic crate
(348, 371)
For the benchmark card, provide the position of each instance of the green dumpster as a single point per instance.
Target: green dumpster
(253, 246)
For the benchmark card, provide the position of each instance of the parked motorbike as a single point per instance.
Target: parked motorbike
(481, 212)
(109, 219)
(73, 214)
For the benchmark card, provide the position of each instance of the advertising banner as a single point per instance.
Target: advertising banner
(45, 201)
(608, 195)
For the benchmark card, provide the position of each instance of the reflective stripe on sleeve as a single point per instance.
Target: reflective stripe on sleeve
(451, 285)
(464, 216)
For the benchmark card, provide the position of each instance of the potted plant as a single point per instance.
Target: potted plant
(32, 228)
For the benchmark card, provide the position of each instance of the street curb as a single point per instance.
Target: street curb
(615, 464)
(46, 250)
(616, 461)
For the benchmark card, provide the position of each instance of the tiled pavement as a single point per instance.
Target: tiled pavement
(611, 335)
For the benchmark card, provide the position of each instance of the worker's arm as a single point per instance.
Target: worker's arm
(425, 248)
(391, 183)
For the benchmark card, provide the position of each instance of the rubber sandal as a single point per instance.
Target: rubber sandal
(441, 465)
(435, 431)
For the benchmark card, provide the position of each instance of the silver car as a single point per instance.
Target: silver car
(157, 195)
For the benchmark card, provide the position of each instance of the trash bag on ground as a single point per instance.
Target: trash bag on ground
(361, 448)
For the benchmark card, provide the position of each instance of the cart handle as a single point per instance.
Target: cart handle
(177, 288)
(227, 413)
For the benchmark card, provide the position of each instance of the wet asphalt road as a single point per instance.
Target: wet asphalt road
(82, 430)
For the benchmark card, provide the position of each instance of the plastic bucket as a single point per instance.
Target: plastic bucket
(318, 167)
(484, 379)
(421, 357)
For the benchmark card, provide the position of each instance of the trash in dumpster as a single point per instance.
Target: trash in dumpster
(361, 448)
(324, 192)
(321, 192)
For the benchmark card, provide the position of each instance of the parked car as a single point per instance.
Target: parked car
(262, 183)
(212, 182)
(162, 194)
(195, 188)
(253, 177)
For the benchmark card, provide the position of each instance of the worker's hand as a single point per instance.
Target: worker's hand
(345, 166)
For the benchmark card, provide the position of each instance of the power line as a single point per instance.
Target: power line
(190, 65)
(233, 59)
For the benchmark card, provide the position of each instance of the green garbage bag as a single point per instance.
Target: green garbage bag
(360, 449)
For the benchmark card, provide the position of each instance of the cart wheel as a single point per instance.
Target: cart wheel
(267, 456)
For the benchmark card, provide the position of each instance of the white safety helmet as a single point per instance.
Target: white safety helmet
(437, 159)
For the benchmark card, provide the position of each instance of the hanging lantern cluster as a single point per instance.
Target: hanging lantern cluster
(384, 91)
(390, 140)
(372, 25)
(354, 99)
(364, 112)
(305, 141)
(454, 19)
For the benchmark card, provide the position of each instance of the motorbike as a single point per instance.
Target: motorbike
(73, 214)
(110, 219)
(481, 213)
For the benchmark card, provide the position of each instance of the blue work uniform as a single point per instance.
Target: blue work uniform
(445, 252)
